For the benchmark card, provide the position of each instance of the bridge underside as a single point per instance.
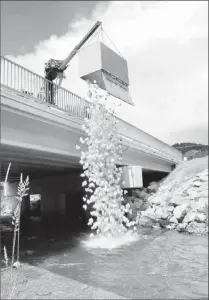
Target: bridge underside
(38, 137)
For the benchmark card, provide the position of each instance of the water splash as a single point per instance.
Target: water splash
(111, 242)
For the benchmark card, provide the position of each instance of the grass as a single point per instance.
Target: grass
(21, 193)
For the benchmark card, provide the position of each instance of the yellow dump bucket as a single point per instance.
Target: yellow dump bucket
(99, 63)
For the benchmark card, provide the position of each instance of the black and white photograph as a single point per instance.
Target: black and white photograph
(104, 149)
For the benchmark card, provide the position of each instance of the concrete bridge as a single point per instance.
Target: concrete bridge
(40, 138)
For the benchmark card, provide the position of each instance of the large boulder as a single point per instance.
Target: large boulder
(146, 221)
(166, 214)
(164, 223)
(200, 205)
(190, 217)
(153, 187)
(177, 200)
(203, 176)
(173, 220)
(197, 228)
(144, 206)
(159, 199)
(141, 194)
(156, 200)
(200, 217)
(181, 226)
(203, 187)
(180, 211)
(194, 216)
(171, 226)
(197, 183)
(159, 212)
(170, 209)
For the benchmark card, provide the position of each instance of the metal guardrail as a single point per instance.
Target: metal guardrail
(25, 81)
(18, 78)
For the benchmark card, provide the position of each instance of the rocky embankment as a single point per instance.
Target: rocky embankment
(179, 202)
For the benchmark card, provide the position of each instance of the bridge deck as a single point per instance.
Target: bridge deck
(21, 99)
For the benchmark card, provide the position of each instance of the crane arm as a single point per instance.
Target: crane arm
(64, 63)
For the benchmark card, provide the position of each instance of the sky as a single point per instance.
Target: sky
(164, 42)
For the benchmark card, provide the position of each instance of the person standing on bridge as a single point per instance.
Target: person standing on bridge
(51, 74)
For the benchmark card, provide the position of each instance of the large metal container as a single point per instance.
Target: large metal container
(132, 177)
(99, 63)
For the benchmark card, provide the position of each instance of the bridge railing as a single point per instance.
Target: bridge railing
(18, 78)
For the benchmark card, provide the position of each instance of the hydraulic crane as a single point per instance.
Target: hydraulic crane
(55, 68)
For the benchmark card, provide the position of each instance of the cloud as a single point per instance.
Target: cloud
(166, 46)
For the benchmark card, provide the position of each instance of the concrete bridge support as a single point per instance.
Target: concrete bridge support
(61, 194)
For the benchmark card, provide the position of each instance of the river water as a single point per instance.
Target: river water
(158, 265)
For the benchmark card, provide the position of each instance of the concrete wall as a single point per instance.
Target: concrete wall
(55, 191)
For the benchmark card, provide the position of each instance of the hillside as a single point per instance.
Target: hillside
(192, 150)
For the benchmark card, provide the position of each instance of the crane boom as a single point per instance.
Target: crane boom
(55, 68)
(78, 47)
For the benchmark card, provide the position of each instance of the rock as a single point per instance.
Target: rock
(203, 187)
(200, 217)
(159, 212)
(138, 203)
(141, 194)
(197, 228)
(204, 173)
(190, 217)
(197, 183)
(136, 193)
(203, 194)
(156, 226)
(159, 199)
(203, 176)
(153, 187)
(165, 214)
(193, 193)
(203, 205)
(145, 206)
(16, 265)
(173, 220)
(194, 205)
(150, 210)
(164, 223)
(177, 200)
(170, 208)
(146, 221)
(195, 216)
(171, 226)
(181, 227)
(200, 205)
(180, 211)
(144, 189)
(186, 185)
(156, 200)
